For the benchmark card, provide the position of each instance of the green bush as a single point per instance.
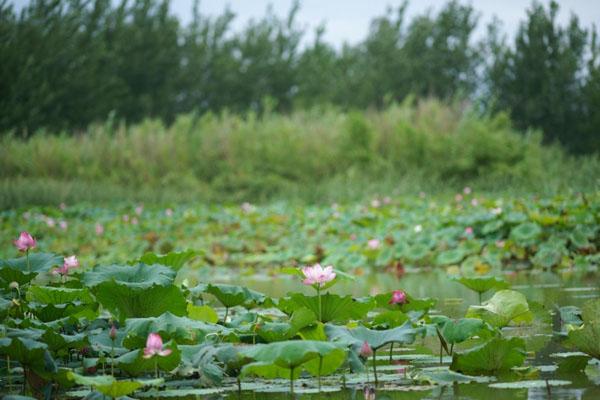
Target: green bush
(429, 145)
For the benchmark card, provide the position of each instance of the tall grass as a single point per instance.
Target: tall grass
(321, 154)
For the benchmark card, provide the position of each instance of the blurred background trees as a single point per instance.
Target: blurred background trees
(69, 63)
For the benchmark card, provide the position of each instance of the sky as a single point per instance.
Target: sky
(348, 20)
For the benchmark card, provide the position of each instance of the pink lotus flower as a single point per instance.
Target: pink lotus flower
(317, 275)
(68, 264)
(25, 242)
(496, 211)
(468, 231)
(154, 346)
(387, 200)
(365, 350)
(63, 225)
(458, 197)
(375, 203)
(373, 244)
(126, 218)
(112, 334)
(474, 202)
(139, 209)
(50, 222)
(99, 229)
(169, 212)
(398, 297)
(467, 190)
(134, 221)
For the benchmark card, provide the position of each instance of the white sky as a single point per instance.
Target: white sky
(348, 20)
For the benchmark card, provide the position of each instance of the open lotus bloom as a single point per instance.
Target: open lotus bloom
(154, 346)
(25, 242)
(71, 262)
(318, 275)
(398, 297)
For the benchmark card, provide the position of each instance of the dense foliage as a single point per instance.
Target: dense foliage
(116, 318)
(69, 63)
(321, 156)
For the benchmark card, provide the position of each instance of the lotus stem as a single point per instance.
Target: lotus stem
(319, 296)
(320, 368)
(112, 359)
(226, 314)
(9, 374)
(391, 351)
(292, 380)
(155, 367)
(375, 366)
(441, 351)
(27, 258)
(451, 349)
(480, 297)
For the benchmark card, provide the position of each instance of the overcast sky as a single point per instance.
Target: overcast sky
(348, 20)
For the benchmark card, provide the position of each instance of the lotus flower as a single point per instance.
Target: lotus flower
(398, 297)
(99, 229)
(63, 225)
(113, 333)
(71, 262)
(317, 275)
(467, 190)
(154, 346)
(369, 393)
(365, 350)
(418, 228)
(169, 212)
(25, 242)
(468, 231)
(373, 244)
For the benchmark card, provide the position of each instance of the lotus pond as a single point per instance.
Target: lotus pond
(467, 297)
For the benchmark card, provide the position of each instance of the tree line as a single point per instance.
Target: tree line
(68, 63)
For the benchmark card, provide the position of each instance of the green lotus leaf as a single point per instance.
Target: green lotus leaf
(457, 331)
(492, 226)
(450, 257)
(444, 376)
(181, 329)
(138, 276)
(483, 284)
(416, 252)
(58, 295)
(135, 364)
(232, 295)
(504, 307)
(174, 260)
(571, 362)
(390, 319)
(526, 234)
(136, 291)
(30, 353)
(587, 337)
(268, 370)
(294, 353)
(492, 357)
(202, 313)
(333, 306)
(16, 270)
(404, 334)
(54, 312)
(201, 361)
(109, 386)
(58, 342)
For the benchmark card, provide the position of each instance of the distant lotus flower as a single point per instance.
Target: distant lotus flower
(375, 203)
(71, 262)
(113, 333)
(99, 229)
(387, 200)
(353, 236)
(458, 197)
(134, 221)
(62, 206)
(247, 207)
(154, 346)
(365, 350)
(64, 270)
(467, 190)
(474, 202)
(63, 225)
(317, 275)
(25, 242)
(50, 222)
(398, 297)
(139, 209)
(369, 393)
(125, 218)
(373, 244)
(468, 230)
(418, 228)
(496, 211)
(169, 212)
